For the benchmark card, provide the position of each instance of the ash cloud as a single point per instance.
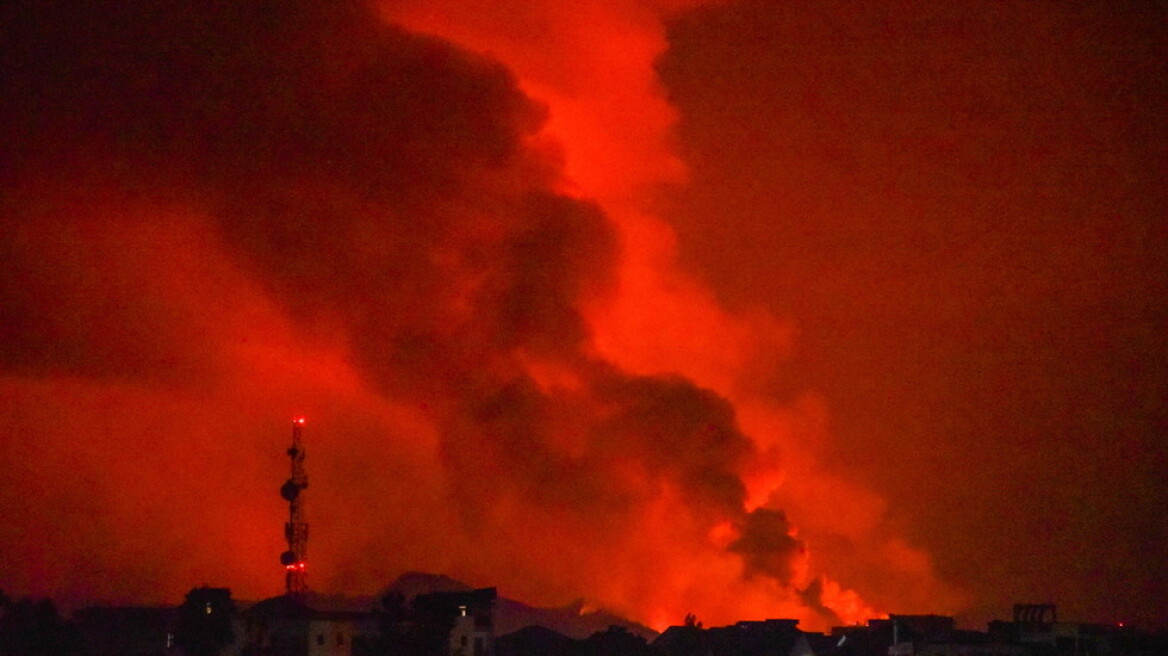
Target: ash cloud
(366, 174)
(381, 189)
(767, 546)
(813, 596)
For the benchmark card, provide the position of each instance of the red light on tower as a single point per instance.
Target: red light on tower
(296, 528)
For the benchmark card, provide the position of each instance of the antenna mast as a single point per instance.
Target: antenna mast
(296, 530)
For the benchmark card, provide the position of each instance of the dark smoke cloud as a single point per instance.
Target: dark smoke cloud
(379, 188)
(667, 428)
(340, 158)
(812, 596)
(687, 433)
(767, 546)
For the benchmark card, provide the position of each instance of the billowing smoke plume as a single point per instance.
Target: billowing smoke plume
(215, 216)
(766, 545)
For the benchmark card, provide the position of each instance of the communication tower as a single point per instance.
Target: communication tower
(296, 530)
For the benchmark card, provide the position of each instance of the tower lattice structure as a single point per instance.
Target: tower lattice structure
(296, 529)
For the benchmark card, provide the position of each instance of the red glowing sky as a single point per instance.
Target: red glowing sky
(731, 308)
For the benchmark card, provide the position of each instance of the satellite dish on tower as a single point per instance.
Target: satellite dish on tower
(289, 490)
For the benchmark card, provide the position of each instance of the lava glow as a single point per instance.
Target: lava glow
(682, 307)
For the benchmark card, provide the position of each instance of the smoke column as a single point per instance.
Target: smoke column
(432, 230)
(595, 70)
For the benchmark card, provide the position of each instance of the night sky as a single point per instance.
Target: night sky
(746, 309)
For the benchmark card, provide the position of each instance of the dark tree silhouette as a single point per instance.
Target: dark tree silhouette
(616, 641)
(32, 628)
(204, 622)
